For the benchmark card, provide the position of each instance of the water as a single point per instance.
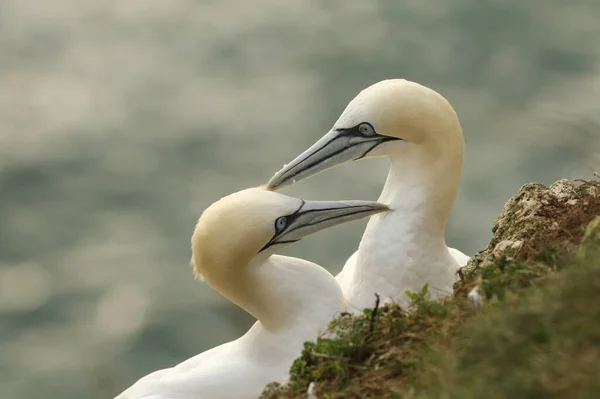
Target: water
(120, 121)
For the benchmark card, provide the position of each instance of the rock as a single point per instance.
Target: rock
(535, 217)
(272, 391)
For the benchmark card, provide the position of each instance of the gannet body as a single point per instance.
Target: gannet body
(233, 249)
(403, 249)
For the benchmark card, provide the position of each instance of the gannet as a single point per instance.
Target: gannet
(233, 249)
(403, 249)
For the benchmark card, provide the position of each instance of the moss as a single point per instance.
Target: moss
(538, 334)
(383, 345)
(546, 344)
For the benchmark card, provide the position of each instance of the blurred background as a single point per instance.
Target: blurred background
(120, 121)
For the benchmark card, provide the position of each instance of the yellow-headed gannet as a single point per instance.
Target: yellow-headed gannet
(233, 249)
(417, 129)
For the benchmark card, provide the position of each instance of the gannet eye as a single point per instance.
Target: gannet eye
(366, 129)
(280, 223)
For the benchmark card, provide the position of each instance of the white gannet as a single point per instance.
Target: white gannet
(403, 249)
(233, 249)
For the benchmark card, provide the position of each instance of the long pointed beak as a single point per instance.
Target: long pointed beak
(335, 148)
(314, 216)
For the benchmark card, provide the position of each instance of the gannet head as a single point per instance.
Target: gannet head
(393, 118)
(256, 222)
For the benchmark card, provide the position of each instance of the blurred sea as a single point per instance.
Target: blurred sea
(120, 121)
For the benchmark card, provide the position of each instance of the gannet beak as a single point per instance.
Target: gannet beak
(336, 147)
(313, 216)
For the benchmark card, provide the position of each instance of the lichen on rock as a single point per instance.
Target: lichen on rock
(272, 391)
(537, 217)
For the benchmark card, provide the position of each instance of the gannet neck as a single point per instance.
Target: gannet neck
(278, 291)
(291, 293)
(405, 248)
(421, 185)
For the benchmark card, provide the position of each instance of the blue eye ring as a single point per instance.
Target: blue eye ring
(366, 129)
(280, 223)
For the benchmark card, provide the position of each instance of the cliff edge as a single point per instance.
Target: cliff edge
(523, 320)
